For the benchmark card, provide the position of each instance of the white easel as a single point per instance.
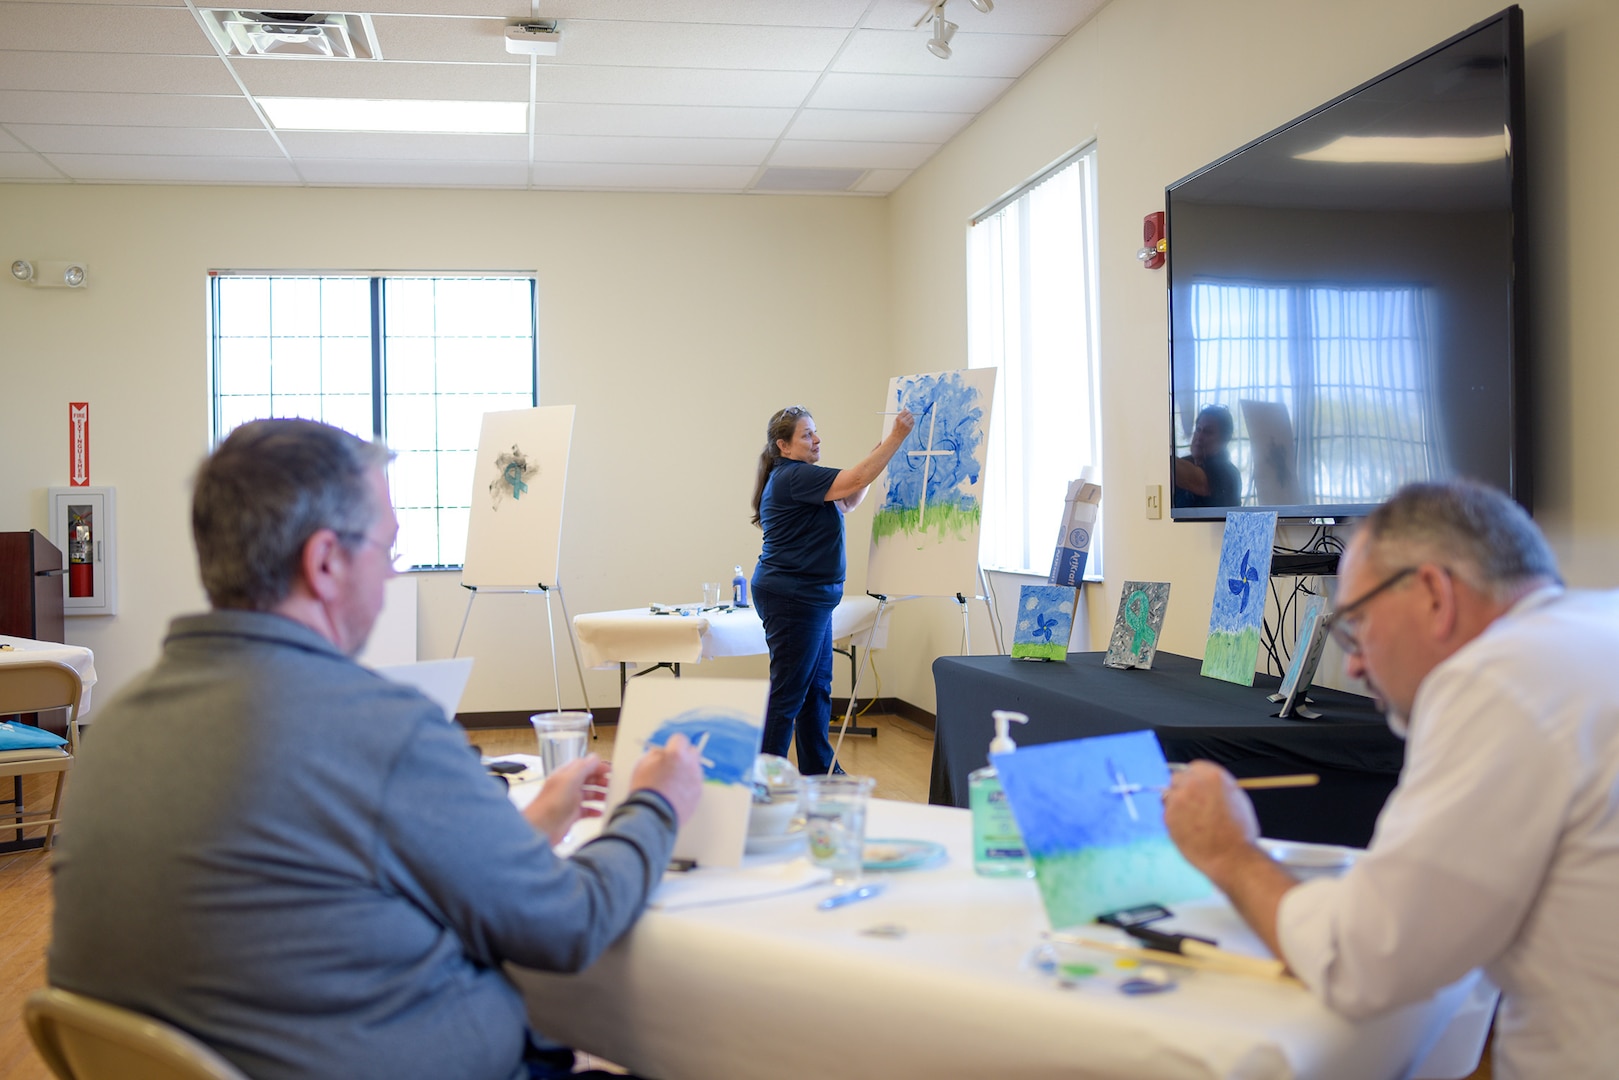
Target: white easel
(551, 632)
(961, 600)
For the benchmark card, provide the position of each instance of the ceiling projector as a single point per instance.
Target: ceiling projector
(533, 38)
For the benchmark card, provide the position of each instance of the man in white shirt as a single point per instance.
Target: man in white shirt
(1499, 848)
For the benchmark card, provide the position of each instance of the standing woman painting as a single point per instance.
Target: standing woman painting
(799, 579)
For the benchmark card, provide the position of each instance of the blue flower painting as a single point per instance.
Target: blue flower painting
(1232, 652)
(924, 531)
(932, 480)
(1093, 824)
(1045, 621)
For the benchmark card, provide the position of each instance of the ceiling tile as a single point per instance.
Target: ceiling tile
(118, 73)
(907, 93)
(385, 79)
(103, 140)
(882, 181)
(660, 120)
(156, 110)
(374, 145)
(852, 155)
(174, 170)
(905, 52)
(837, 13)
(673, 86)
(102, 28)
(470, 41)
(642, 177)
(652, 151)
(1051, 17)
(870, 125)
(26, 167)
(489, 174)
(706, 45)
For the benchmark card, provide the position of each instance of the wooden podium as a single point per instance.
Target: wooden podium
(30, 587)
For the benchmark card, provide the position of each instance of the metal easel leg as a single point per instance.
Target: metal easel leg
(551, 630)
(472, 594)
(578, 664)
(854, 690)
(966, 627)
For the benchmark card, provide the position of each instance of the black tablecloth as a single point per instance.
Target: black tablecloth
(1350, 746)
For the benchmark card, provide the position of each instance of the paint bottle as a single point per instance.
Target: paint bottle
(997, 844)
(739, 589)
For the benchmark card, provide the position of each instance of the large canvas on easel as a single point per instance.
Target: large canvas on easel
(515, 527)
(929, 501)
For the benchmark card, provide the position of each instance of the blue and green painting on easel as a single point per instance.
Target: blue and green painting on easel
(1093, 824)
(924, 533)
(1045, 621)
(1232, 651)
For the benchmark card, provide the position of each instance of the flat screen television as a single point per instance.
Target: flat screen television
(1347, 295)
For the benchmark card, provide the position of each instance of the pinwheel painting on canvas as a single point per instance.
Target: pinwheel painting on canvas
(1232, 652)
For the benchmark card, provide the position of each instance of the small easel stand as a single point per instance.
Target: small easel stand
(883, 601)
(551, 631)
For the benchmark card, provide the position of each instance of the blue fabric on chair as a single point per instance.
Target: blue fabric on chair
(28, 737)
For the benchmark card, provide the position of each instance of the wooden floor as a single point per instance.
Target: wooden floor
(899, 758)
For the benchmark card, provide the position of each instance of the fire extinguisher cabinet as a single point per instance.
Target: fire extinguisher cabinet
(84, 526)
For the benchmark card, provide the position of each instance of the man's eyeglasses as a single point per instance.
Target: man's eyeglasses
(395, 557)
(1341, 624)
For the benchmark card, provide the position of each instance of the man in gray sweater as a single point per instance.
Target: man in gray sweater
(299, 862)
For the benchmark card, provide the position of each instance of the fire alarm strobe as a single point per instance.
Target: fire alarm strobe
(533, 38)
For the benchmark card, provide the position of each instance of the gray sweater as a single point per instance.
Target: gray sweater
(303, 865)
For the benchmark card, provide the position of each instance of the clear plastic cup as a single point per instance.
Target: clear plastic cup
(711, 594)
(835, 822)
(563, 737)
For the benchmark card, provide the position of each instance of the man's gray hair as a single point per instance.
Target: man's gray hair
(269, 487)
(1477, 531)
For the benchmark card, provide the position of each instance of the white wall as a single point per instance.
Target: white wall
(677, 324)
(1166, 86)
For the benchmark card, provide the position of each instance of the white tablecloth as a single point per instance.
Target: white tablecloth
(76, 657)
(636, 636)
(775, 988)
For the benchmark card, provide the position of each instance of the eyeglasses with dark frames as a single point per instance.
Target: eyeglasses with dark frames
(1339, 624)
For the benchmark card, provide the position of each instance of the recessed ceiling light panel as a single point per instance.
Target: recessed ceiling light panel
(373, 114)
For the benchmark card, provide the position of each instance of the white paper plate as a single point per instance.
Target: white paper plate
(1311, 860)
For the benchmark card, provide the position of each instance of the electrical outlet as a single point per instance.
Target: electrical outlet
(1155, 501)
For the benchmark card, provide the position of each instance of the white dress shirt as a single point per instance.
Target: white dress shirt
(1498, 849)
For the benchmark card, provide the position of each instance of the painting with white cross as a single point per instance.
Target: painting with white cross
(924, 532)
(1092, 820)
(724, 719)
(1232, 652)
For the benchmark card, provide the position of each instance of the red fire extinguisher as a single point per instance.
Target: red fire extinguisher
(81, 569)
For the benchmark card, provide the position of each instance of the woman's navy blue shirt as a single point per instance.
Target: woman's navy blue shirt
(803, 543)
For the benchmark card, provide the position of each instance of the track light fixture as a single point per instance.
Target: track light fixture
(943, 31)
(22, 270)
(943, 28)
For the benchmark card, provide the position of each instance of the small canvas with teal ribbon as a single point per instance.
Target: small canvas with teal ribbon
(1232, 652)
(1093, 823)
(1139, 624)
(1045, 622)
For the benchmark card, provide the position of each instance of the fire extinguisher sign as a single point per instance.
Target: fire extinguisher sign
(78, 443)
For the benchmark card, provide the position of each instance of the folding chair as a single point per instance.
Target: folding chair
(37, 686)
(81, 1038)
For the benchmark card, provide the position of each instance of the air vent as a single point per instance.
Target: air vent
(323, 35)
(795, 178)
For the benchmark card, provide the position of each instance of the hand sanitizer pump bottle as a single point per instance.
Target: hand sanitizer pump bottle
(997, 844)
